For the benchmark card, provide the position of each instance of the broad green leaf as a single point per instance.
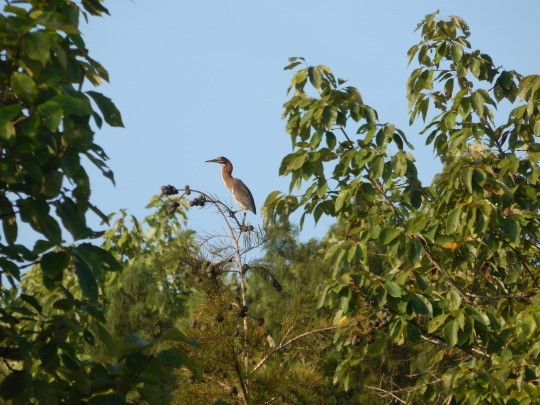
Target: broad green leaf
(456, 52)
(421, 305)
(479, 316)
(466, 178)
(331, 140)
(7, 131)
(417, 223)
(87, 280)
(110, 113)
(393, 289)
(73, 218)
(52, 183)
(436, 322)
(450, 332)
(453, 300)
(377, 167)
(51, 114)
(388, 235)
(37, 46)
(342, 197)
(31, 300)
(475, 67)
(315, 76)
(453, 220)
(54, 263)
(9, 219)
(24, 86)
(73, 105)
(56, 21)
(478, 103)
(13, 385)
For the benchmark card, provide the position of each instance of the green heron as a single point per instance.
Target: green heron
(238, 189)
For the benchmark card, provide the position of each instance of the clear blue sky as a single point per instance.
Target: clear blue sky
(200, 79)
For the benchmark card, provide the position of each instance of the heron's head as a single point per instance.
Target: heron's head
(221, 160)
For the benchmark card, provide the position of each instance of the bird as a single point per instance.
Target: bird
(240, 192)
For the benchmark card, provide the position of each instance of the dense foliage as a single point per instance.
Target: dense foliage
(460, 267)
(52, 323)
(419, 293)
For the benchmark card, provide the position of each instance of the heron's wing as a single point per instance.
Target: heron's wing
(243, 196)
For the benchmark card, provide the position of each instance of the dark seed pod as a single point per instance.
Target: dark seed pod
(356, 339)
(244, 308)
(276, 285)
(234, 391)
(219, 317)
(260, 321)
(199, 279)
(171, 209)
(169, 190)
(241, 314)
(192, 203)
(250, 228)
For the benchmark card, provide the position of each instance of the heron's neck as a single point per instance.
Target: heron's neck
(226, 173)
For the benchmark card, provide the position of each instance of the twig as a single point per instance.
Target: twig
(292, 340)
(388, 393)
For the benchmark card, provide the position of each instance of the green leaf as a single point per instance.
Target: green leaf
(51, 114)
(377, 167)
(453, 300)
(453, 220)
(475, 67)
(54, 263)
(79, 106)
(13, 385)
(451, 333)
(73, 218)
(478, 103)
(315, 76)
(436, 322)
(24, 86)
(331, 140)
(52, 183)
(414, 334)
(415, 251)
(417, 223)
(329, 117)
(7, 131)
(110, 113)
(479, 316)
(97, 258)
(56, 21)
(393, 289)
(31, 300)
(87, 280)
(456, 52)
(37, 46)
(9, 219)
(388, 235)
(466, 178)
(342, 197)
(421, 305)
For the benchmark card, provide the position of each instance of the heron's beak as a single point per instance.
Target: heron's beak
(212, 161)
